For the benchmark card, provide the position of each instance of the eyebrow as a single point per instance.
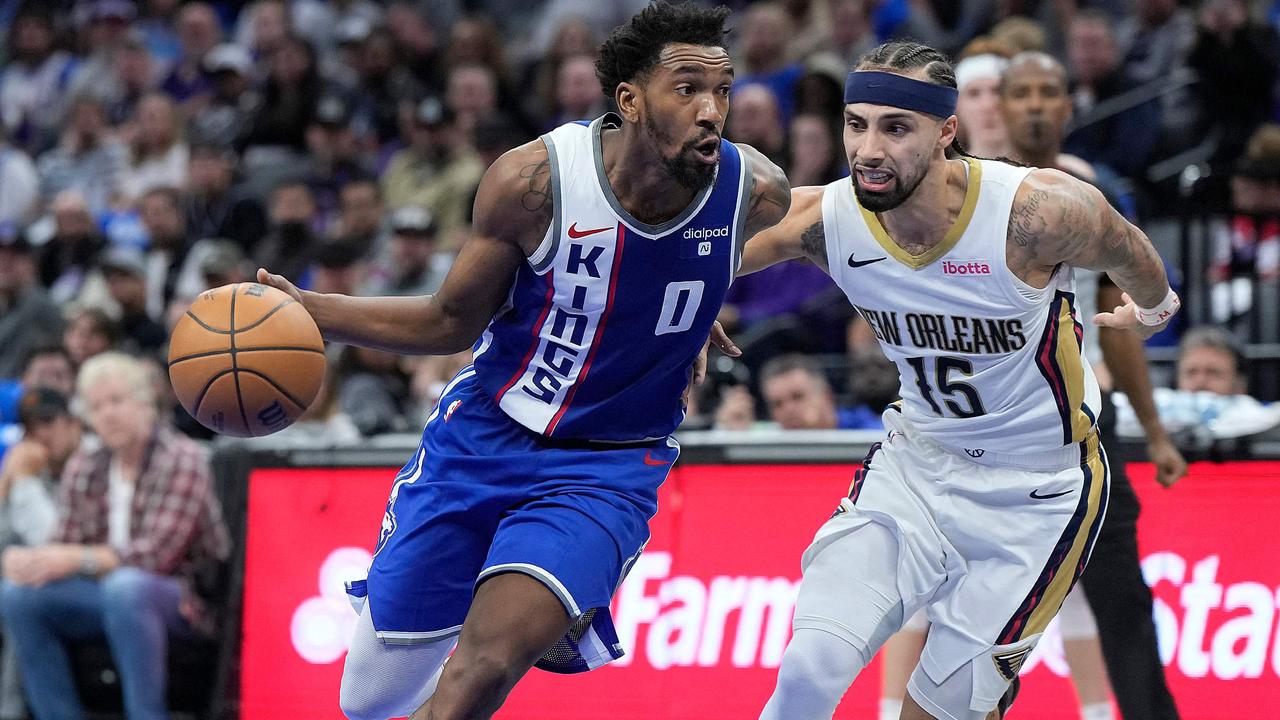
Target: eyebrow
(888, 116)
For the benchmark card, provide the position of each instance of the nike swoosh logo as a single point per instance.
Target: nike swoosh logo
(575, 233)
(648, 460)
(1050, 496)
(859, 263)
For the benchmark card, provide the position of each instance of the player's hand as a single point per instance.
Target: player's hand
(1125, 317)
(1170, 465)
(720, 339)
(279, 282)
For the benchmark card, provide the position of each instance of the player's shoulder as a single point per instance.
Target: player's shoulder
(515, 194)
(1047, 186)
(770, 190)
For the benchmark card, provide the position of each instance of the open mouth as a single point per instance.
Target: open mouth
(708, 150)
(874, 179)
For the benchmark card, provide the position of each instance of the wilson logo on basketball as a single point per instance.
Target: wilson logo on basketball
(965, 267)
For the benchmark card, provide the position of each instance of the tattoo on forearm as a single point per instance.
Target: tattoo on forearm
(814, 243)
(535, 199)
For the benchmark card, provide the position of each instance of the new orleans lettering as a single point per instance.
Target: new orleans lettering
(952, 333)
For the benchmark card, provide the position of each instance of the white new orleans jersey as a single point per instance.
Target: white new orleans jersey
(990, 366)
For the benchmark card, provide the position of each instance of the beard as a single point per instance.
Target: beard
(901, 189)
(688, 172)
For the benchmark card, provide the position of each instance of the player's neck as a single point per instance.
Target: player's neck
(923, 220)
(1038, 157)
(640, 180)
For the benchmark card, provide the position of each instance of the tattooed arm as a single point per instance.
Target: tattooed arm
(1057, 219)
(770, 192)
(799, 234)
(513, 209)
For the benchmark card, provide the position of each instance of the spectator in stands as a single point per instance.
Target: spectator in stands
(1156, 39)
(373, 390)
(948, 24)
(49, 366)
(736, 409)
(213, 205)
(67, 259)
(336, 157)
(766, 29)
(756, 121)
(28, 318)
(981, 130)
(1124, 140)
(198, 32)
(134, 77)
(471, 92)
(383, 85)
(158, 153)
(359, 219)
(289, 98)
(437, 171)
(141, 527)
(156, 25)
(28, 499)
(30, 471)
(416, 43)
(850, 32)
(224, 120)
(169, 271)
(126, 274)
(815, 156)
(102, 27)
(90, 332)
(412, 265)
(1210, 360)
(87, 159)
(264, 27)
(577, 92)
(873, 378)
(36, 82)
(574, 39)
(800, 398)
(339, 267)
(290, 243)
(20, 200)
(1237, 63)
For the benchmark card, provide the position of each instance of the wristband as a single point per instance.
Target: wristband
(1160, 313)
(89, 562)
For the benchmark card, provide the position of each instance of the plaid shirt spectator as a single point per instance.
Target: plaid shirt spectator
(176, 525)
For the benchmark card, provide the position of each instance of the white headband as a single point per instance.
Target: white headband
(987, 65)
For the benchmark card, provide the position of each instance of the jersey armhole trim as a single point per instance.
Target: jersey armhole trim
(746, 186)
(545, 254)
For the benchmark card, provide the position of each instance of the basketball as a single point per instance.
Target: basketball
(246, 360)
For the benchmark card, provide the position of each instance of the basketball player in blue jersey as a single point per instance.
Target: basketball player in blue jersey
(983, 502)
(599, 258)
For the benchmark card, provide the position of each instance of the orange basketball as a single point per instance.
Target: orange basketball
(246, 360)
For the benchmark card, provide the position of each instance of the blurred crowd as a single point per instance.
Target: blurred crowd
(153, 149)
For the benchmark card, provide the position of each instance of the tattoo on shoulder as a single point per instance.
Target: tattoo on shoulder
(1026, 224)
(538, 194)
(814, 243)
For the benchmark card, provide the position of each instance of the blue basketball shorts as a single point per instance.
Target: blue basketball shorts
(483, 495)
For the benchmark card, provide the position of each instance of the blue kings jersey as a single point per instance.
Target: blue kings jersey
(607, 316)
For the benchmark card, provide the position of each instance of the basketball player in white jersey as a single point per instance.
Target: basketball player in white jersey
(983, 502)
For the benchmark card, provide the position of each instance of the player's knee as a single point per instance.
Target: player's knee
(359, 701)
(819, 663)
(488, 671)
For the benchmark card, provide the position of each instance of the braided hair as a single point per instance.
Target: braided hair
(904, 56)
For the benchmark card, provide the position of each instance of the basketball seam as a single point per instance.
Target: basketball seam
(287, 395)
(212, 353)
(195, 411)
(235, 370)
(246, 328)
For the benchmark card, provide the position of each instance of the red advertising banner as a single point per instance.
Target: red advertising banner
(705, 613)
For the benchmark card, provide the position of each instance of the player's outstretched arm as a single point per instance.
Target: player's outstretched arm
(799, 234)
(512, 212)
(1059, 219)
